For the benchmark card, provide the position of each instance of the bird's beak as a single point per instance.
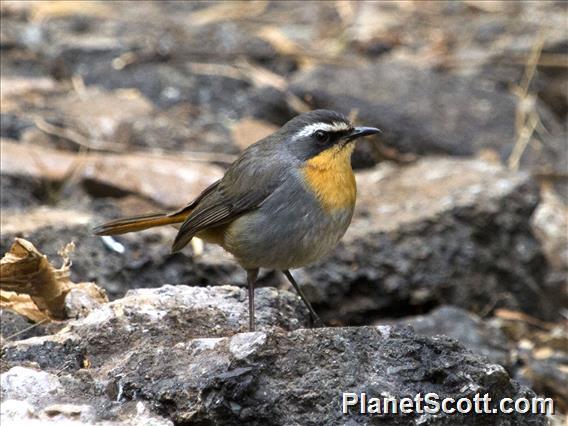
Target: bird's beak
(359, 132)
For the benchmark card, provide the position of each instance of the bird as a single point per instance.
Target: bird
(284, 203)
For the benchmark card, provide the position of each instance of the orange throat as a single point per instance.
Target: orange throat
(330, 176)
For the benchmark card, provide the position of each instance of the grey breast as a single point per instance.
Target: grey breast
(289, 230)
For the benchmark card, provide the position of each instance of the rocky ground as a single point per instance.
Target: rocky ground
(451, 279)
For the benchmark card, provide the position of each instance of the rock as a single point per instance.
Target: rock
(65, 412)
(52, 166)
(550, 223)
(18, 327)
(269, 104)
(182, 128)
(476, 335)
(540, 352)
(174, 349)
(314, 366)
(169, 314)
(440, 231)
(16, 412)
(245, 344)
(82, 299)
(167, 85)
(102, 115)
(19, 192)
(547, 377)
(28, 384)
(13, 125)
(19, 412)
(533, 352)
(225, 39)
(158, 61)
(13, 410)
(148, 176)
(420, 110)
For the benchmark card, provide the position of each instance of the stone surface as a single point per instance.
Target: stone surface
(164, 316)
(17, 412)
(177, 350)
(19, 192)
(101, 115)
(18, 327)
(550, 223)
(468, 329)
(28, 384)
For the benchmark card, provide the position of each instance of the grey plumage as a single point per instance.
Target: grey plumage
(286, 236)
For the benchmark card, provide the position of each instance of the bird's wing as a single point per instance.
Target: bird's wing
(246, 184)
(189, 207)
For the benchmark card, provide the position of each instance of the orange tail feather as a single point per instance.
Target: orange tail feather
(139, 223)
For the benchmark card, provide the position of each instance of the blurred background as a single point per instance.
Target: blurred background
(114, 108)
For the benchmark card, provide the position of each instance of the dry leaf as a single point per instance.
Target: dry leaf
(489, 155)
(279, 41)
(22, 304)
(260, 76)
(33, 219)
(488, 6)
(228, 11)
(24, 271)
(543, 353)
(43, 10)
(144, 174)
(285, 46)
(509, 315)
(30, 90)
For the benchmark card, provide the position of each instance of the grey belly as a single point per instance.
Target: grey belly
(286, 235)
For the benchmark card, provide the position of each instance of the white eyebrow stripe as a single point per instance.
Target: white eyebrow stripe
(336, 126)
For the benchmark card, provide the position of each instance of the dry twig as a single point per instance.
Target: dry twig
(104, 146)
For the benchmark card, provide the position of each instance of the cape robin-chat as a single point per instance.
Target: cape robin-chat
(283, 204)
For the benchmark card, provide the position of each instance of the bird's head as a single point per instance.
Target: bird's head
(323, 134)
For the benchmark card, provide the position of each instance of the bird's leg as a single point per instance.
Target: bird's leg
(316, 320)
(252, 274)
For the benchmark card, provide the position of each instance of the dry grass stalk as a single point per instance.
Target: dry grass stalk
(526, 116)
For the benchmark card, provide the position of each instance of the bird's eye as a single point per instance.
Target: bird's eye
(321, 136)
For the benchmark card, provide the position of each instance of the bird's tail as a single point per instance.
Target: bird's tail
(139, 223)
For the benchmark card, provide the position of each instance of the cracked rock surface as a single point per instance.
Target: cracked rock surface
(178, 354)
